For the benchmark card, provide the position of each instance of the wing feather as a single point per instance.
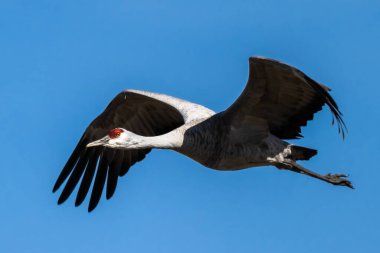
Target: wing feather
(283, 96)
(142, 113)
(113, 173)
(100, 180)
(75, 176)
(87, 178)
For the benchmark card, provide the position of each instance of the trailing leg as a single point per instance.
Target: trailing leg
(335, 179)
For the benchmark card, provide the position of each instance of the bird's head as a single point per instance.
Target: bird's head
(116, 138)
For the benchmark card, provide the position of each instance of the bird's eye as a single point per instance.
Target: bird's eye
(114, 133)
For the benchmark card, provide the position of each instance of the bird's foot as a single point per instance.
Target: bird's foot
(338, 179)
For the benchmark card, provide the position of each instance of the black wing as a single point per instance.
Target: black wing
(137, 113)
(282, 96)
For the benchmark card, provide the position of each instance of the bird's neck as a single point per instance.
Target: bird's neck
(169, 140)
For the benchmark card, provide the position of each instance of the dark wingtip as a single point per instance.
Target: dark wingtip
(70, 164)
(56, 187)
(78, 202)
(109, 194)
(61, 199)
(60, 181)
(93, 203)
(328, 99)
(91, 207)
(98, 186)
(111, 184)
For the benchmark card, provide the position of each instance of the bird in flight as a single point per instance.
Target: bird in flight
(277, 101)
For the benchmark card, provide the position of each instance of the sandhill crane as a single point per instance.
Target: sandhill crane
(276, 102)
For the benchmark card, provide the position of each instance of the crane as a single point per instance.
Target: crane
(277, 101)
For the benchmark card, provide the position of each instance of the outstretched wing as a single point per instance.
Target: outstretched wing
(280, 98)
(143, 113)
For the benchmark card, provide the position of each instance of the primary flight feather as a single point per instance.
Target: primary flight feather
(276, 102)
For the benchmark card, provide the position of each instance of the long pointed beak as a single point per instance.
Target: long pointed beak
(97, 143)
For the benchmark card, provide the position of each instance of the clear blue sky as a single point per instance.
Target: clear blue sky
(63, 61)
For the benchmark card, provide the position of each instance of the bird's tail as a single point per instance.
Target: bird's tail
(302, 153)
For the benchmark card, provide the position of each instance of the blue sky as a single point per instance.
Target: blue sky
(63, 61)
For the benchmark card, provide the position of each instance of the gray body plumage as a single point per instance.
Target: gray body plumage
(209, 142)
(276, 102)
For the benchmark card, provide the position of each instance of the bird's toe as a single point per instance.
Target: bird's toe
(339, 179)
